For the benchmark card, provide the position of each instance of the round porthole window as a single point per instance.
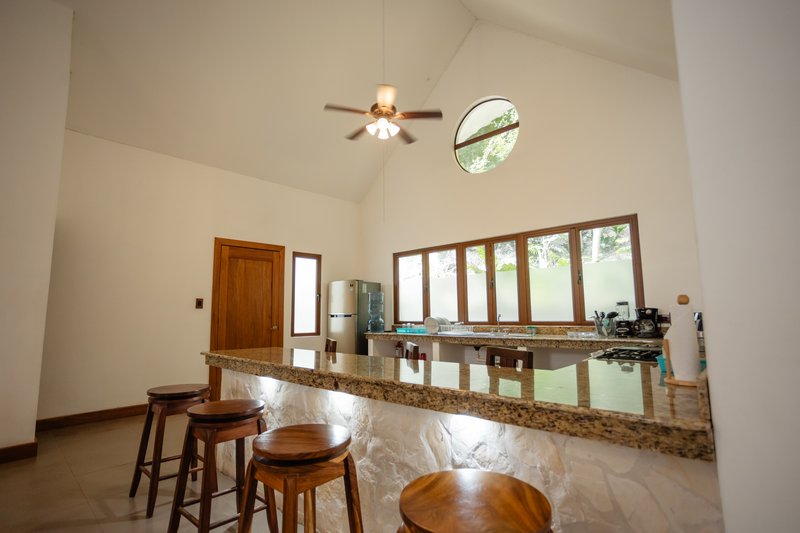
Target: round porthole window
(486, 135)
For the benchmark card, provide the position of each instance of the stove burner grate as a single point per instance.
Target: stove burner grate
(640, 354)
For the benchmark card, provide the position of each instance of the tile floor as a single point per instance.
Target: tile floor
(80, 480)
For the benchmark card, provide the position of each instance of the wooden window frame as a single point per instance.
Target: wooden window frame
(317, 310)
(523, 275)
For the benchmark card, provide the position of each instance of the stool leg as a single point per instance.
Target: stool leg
(248, 500)
(180, 485)
(160, 415)
(290, 503)
(194, 461)
(310, 510)
(272, 508)
(137, 472)
(239, 473)
(351, 494)
(209, 484)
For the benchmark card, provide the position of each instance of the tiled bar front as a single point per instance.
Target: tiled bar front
(594, 485)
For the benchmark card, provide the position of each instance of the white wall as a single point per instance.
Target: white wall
(596, 140)
(34, 62)
(133, 249)
(740, 80)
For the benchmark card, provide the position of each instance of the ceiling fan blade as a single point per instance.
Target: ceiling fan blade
(387, 94)
(407, 137)
(335, 107)
(405, 115)
(356, 134)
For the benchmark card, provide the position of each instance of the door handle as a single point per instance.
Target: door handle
(273, 328)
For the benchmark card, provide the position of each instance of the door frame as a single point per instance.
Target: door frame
(215, 373)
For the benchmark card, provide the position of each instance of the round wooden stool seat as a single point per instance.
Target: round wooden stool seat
(303, 443)
(296, 460)
(473, 500)
(224, 410)
(162, 402)
(214, 423)
(185, 390)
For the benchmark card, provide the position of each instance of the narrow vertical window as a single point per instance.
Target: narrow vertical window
(306, 283)
(443, 284)
(477, 294)
(550, 273)
(607, 265)
(505, 276)
(409, 288)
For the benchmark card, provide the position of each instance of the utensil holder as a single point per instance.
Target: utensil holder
(606, 327)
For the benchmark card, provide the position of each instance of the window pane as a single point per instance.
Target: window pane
(477, 304)
(486, 117)
(305, 295)
(505, 272)
(484, 155)
(550, 278)
(443, 284)
(409, 273)
(607, 266)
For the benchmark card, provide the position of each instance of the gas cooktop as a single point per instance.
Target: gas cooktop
(639, 354)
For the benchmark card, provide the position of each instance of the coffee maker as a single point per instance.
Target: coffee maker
(646, 324)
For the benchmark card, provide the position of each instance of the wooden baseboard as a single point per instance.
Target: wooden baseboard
(46, 424)
(20, 451)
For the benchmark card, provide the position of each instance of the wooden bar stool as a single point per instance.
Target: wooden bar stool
(163, 402)
(472, 500)
(298, 459)
(214, 423)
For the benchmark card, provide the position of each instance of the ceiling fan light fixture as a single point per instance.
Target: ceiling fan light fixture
(372, 128)
(393, 128)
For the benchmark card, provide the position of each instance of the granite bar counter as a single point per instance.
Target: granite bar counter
(612, 448)
(623, 404)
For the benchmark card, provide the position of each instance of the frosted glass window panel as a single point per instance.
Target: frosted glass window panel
(477, 304)
(305, 295)
(443, 284)
(550, 278)
(607, 265)
(505, 278)
(409, 281)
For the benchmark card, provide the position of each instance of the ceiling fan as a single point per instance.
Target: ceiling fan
(383, 112)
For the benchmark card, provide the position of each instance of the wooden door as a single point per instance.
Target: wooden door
(247, 299)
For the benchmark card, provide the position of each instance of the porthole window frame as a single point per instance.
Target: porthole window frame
(510, 127)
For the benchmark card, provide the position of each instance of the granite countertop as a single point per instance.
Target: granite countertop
(625, 404)
(536, 341)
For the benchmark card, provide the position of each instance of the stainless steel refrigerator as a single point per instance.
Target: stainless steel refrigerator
(348, 302)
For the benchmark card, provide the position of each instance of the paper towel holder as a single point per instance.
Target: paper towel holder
(669, 379)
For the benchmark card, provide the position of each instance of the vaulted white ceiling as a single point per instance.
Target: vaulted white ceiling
(241, 84)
